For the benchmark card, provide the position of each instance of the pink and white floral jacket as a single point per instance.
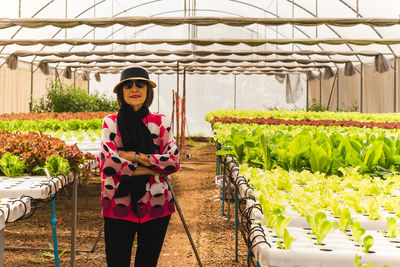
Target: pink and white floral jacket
(157, 202)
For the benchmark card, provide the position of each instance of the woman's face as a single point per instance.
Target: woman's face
(135, 92)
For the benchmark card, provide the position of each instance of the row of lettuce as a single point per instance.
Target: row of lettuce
(300, 114)
(319, 198)
(330, 176)
(31, 152)
(30, 142)
(318, 149)
(278, 121)
(69, 121)
(61, 116)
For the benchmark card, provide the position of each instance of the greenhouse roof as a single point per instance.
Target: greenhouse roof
(303, 32)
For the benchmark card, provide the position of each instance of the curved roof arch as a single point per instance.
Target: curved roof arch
(357, 12)
(225, 7)
(182, 10)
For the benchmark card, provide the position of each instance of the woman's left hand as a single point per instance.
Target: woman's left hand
(128, 155)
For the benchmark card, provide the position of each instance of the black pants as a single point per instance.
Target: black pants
(119, 236)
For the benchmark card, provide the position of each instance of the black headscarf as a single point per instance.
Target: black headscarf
(135, 137)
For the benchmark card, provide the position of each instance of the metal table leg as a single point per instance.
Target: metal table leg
(2, 247)
(223, 188)
(74, 212)
(236, 224)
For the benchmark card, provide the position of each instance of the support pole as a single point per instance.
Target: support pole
(183, 108)
(234, 91)
(292, 24)
(75, 78)
(361, 86)
(218, 160)
(88, 85)
(276, 28)
(194, 27)
(316, 15)
(320, 88)
(357, 8)
(307, 93)
(66, 15)
(236, 225)
(395, 85)
(173, 111)
(94, 16)
(229, 196)
(73, 219)
(223, 186)
(31, 103)
(178, 208)
(330, 95)
(178, 111)
(2, 247)
(112, 27)
(158, 93)
(337, 90)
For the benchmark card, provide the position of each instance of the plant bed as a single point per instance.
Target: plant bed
(37, 187)
(336, 249)
(195, 191)
(13, 208)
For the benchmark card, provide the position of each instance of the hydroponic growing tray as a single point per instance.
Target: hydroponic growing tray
(37, 187)
(11, 209)
(337, 248)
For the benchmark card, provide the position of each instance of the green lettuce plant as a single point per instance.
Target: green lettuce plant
(367, 242)
(357, 231)
(391, 203)
(320, 226)
(11, 165)
(344, 219)
(320, 157)
(55, 165)
(280, 225)
(373, 154)
(287, 240)
(268, 163)
(238, 145)
(372, 207)
(391, 226)
(334, 206)
(271, 217)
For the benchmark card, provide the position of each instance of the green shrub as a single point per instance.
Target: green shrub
(315, 106)
(66, 98)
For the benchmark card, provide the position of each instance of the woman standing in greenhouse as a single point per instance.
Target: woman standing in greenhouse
(138, 152)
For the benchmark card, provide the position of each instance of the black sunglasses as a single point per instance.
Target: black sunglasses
(138, 83)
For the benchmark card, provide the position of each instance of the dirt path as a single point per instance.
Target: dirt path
(196, 193)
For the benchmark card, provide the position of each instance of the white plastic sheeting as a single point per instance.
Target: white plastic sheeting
(209, 92)
(206, 93)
